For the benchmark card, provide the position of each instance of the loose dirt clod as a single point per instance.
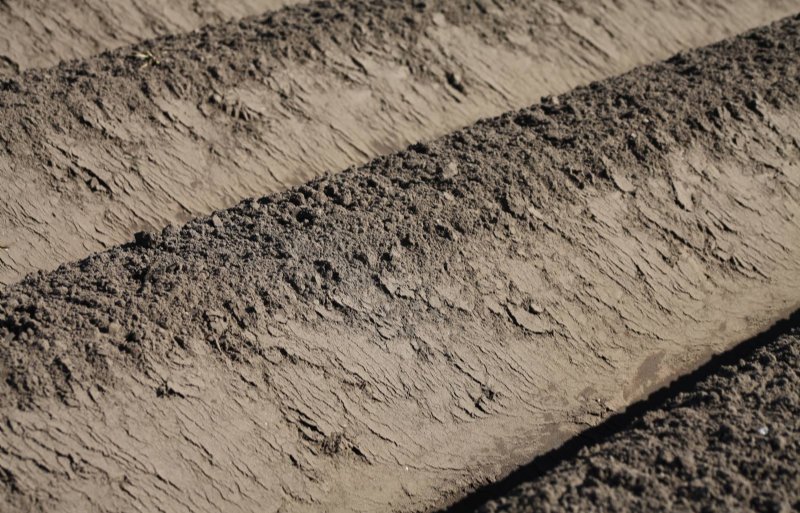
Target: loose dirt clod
(389, 393)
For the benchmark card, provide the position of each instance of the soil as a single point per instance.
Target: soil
(92, 151)
(420, 325)
(42, 33)
(728, 443)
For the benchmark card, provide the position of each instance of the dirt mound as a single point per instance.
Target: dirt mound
(728, 444)
(384, 337)
(42, 33)
(93, 151)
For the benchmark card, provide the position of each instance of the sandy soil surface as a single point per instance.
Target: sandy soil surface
(42, 33)
(92, 151)
(728, 443)
(387, 337)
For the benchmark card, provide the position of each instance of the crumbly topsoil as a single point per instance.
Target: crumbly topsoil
(390, 336)
(732, 443)
(92, 151)
(42, 33)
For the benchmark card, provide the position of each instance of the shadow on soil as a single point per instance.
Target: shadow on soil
(618, 422)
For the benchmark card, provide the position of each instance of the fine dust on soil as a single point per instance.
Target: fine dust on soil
(393, 335)
(730, 443)
(42, 33)
(135, 139)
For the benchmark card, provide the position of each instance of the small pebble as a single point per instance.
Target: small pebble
(114, 329)
(455, 81)
(535, 308)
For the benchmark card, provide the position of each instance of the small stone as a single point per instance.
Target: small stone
(763, 431)
(450, 170)
(216, 222)
(439, 20)
(551, 100)
(687, 463)
(435, 302)
(455, 81)
(535, 308)
(114, 329)
(666, 457)
(514, 204)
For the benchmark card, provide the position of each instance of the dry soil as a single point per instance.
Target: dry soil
(390, 336)
(728, 443)
(42, 33)
(92, 151)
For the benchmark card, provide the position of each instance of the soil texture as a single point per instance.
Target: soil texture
(390, 336)
(731, 443)
(42, 33)
(92, 151)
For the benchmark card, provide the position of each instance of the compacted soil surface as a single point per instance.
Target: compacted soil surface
(94, 150)
(391, 336)
(728, 443)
